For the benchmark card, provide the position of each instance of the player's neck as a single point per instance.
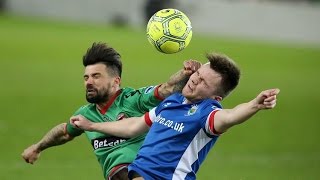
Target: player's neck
(100, 106)
(108, 102)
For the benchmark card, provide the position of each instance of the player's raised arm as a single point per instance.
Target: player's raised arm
(179, 79)
(127, 128)
(226, 118)
(56, 136)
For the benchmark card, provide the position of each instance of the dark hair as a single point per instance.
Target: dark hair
(102, 53)
(229, 71)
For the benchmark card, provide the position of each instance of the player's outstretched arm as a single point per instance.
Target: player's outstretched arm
(127, 128)
(178, 80)
(56, 136)
(226, 118)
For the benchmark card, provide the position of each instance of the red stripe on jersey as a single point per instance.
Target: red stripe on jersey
(156, 93)
(109, 103)
(147, 119)
(211, 122)
(116, 170)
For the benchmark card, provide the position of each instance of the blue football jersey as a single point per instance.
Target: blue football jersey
(179, 139)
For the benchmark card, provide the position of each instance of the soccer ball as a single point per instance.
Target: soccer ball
(169, 30)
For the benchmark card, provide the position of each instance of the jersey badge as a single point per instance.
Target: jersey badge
(192, 110)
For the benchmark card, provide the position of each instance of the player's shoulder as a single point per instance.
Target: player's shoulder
(177, 97)
(211, 104)
(129, 91)
(126, 90)
(173, 99)
(145, 89)
(85, 108)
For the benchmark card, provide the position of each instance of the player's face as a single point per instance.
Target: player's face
(99, 84)
(202, 84)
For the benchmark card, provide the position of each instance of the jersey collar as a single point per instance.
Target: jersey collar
(110, 102)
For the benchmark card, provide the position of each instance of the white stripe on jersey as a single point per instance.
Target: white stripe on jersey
(190, 155)
(152, 114)
(207, 127)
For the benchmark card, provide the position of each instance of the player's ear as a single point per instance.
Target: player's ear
(218, 98)
(117, 81)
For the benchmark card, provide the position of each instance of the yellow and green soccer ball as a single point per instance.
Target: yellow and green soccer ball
(169, 30)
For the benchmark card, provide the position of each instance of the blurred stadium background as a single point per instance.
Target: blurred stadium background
(276, 43)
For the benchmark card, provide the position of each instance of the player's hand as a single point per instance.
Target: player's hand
(267, 99)
(81, 123)
(31, 154)
(191, 66)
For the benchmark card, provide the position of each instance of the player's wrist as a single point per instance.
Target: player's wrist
(185, 74)
(254, 105)
(93, 127)
(37, 148)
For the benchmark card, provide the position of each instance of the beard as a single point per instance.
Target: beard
(95, 96)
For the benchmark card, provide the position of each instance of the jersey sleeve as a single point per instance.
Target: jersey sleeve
(209, 125)
(71, 130)
(143, 99)
(150, 116)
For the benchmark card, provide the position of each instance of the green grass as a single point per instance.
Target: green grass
(41, 86)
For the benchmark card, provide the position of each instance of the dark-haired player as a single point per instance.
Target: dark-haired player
(109, 102)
